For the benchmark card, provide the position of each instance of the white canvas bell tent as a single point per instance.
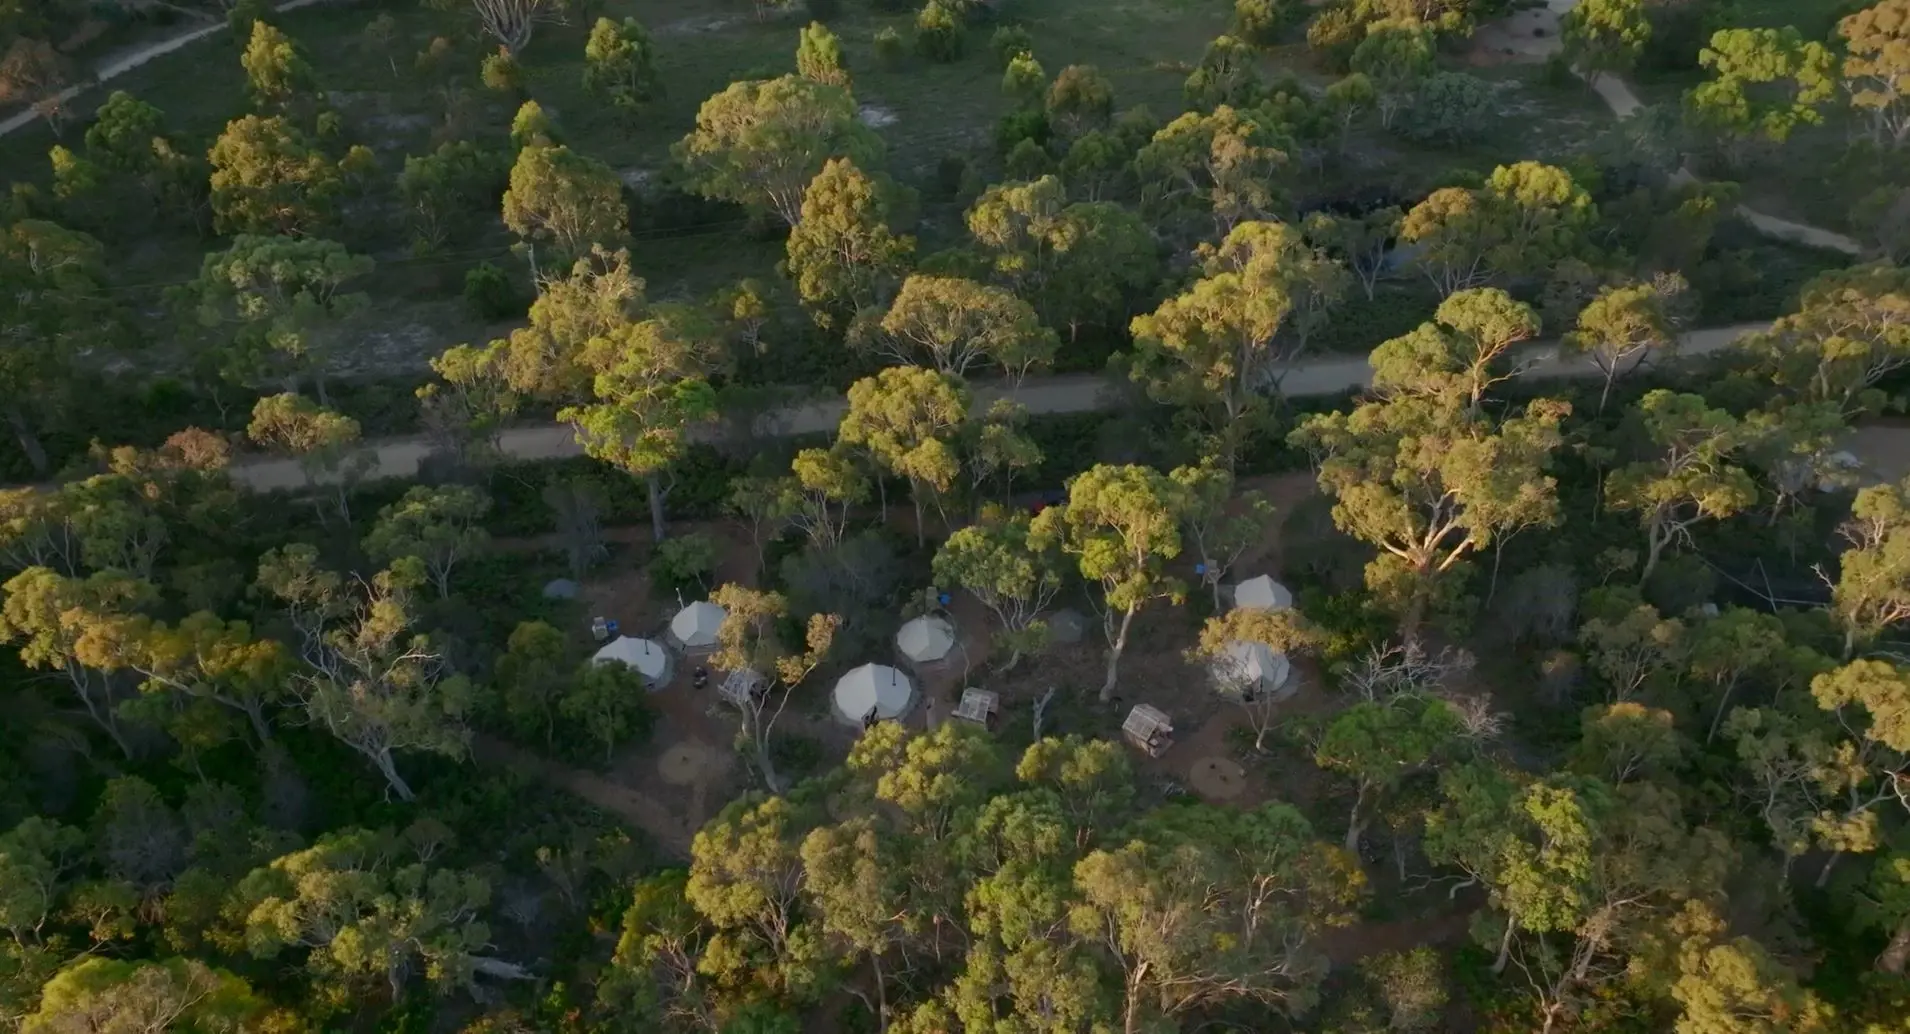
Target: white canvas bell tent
(873, 688)
(647, 657)
(694, 627)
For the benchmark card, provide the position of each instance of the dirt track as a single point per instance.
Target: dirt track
(1078, 393)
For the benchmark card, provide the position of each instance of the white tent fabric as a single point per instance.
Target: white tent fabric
(694, 627)
(1252, 666)
(926, 639)
(873, 686)
(1262, 593)
(648, 658)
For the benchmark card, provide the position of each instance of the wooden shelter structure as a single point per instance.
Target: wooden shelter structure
(1148, 728)
(979, 706)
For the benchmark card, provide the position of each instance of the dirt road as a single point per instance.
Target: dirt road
(399, 457)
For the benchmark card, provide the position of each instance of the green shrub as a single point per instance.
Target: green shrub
(1450, 108)
(795, 755)
(684, 563)
(950, 171)
(1008, 41)
(501, 72)
(1020, 125)
(1028, 161)
(889, 48)
(939, 32)
(1358, 325)
(1557, 73)
(491, 294)
(1260, 22)
(1351, 623)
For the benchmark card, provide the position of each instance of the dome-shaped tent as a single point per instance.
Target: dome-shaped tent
(648, 658)
(926, 639)
(1067, 626)
(1252, 668)
(694, 627)
(873, 687)
(1262, 593)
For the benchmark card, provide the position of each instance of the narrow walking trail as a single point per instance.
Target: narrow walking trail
(1533, 34)
(636, 808)
(119, 64)
(1075, 393)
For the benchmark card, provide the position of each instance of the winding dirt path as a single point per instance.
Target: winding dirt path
(119, 64)
(639, 809)
(1532, 35)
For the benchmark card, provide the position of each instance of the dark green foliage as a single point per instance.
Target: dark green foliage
(1021, 125)
(889, 48)
(940, 34)
(1261, 22)
(1008, 41)
(1449, 108)
(684, 565)
(501, 72)
(491, 293)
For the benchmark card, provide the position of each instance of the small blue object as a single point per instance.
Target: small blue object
(942, 598)
(611, 627)
(1200, 568)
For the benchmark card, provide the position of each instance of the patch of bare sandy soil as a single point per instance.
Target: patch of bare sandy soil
(700, 26)
(1527, 36)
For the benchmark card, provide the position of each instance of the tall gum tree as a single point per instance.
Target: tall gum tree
(909, 418)
(651, 387)
(1877, 67)
(1217, 346)
(1693, 476)
(1429, 485)
(51, 279)
(1122, 525)
(759, 143)
(842, 254)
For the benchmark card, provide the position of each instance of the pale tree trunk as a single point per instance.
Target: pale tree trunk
(1505, 945)
(881, 994)
(657, 526)
(770, 779)
(1261, 718)
(29, 439)
(103, 717)
(388, 768)
(758, 731)
(1131, 1019)
(1114, 655)
(1356, 823)
(1823, 875)
(1656, 539)
(1717, 720)
(255, 713)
